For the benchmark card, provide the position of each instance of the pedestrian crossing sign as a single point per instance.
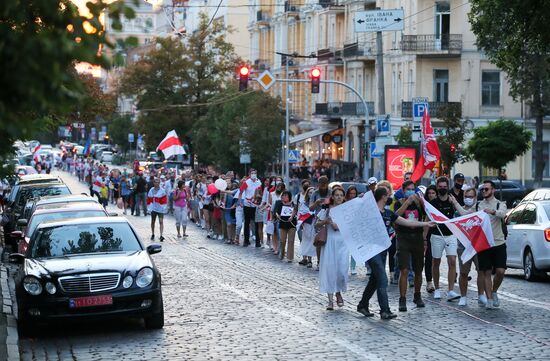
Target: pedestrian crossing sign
(293, 156)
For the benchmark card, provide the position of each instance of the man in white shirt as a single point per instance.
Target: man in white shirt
(248, 190)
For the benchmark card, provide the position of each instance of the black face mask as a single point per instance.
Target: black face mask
(389, 201)
(305, 188)
(458, 186)
(442, 191)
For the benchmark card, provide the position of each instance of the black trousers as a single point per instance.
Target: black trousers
(249, 216)
(428, 261)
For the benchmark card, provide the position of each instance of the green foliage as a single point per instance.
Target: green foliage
(249, 118)
(40, 42)
(94, 105)
(119, 127)
(455, 134)
(514, 35)
(174, 82)
(499, 143)
(404, 136)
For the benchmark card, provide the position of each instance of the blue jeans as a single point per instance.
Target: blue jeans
(141, 198)
(378, 281)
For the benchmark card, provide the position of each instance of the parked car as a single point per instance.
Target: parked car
(106, 156)
(53, 212)
(511, 192)
(528, 241)
(361, 187)
(41, 202)
(541, 194)
(87, 268)
(21, 170)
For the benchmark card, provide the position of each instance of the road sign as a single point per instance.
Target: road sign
(244, 159)
(294, 156)
(79, 125)
(93, 133)
(383, 124)
(266, 79)
(378, 20)
(419, 105)
(130, 137)
(373, 152)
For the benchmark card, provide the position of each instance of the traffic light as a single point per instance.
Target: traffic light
(453, 148)
(315, 80)
(244, 71)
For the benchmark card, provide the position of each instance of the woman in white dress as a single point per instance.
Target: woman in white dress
(333, 268)
(305, 216)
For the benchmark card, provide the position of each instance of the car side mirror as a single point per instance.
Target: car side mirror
(17, 258)
(16, 234)
(516, 202)
(22, 222)
(154, 248)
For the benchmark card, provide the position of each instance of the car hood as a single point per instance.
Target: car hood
(99, 262)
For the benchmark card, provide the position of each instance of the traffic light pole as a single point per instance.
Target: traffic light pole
(366, 160)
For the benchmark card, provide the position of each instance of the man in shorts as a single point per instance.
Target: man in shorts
(157, 201)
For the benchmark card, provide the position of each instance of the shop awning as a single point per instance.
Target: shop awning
(313, 133)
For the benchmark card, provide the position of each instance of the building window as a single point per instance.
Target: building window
(490, 88)
(441, 85)
(545, 152)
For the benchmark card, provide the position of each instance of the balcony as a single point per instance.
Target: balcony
(447, 44)
(262, 18)
(290, 8)
(359, 50)
(338, 109)
(434, 108)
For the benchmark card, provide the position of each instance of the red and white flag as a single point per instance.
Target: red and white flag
(171, 145)
(430, 150)
(35, 154)
(473, 230)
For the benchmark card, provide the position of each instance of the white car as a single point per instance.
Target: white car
(106, 156)
(528, 242)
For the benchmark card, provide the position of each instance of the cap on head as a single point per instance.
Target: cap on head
(458, 176)
(372, 180)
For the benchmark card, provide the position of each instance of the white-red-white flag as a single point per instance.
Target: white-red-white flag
(473, 230)
(430, 149)
(35, 154)
(171, 145)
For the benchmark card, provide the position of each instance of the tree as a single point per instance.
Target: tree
(499, 143)
(41, 41)
(174, 82)
(94, 104)
(119, 127)
(514, 35)
(404, 137)
(451, 144)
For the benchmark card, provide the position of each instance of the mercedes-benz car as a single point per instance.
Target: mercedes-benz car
(87, 268)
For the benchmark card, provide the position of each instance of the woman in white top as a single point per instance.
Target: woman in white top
(333, 268)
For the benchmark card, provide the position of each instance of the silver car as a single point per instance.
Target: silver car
(528, 242)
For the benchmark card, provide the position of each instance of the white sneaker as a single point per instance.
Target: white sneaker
(489, 305)
(452, 295)
(463, 301)
(496, 301)
(482, 300)
(437, 294)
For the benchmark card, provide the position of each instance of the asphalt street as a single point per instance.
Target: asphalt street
(225, 302)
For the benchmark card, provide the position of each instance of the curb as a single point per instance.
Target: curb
(12, 338)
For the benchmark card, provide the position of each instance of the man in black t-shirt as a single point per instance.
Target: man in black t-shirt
(456, 191)
(443, 240)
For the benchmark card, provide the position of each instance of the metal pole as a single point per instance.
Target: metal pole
(380, 74)
(287, 180)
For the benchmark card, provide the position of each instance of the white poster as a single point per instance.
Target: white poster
(362, 227)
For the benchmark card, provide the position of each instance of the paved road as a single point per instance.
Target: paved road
(227, 302)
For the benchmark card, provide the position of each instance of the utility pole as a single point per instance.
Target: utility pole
(380, 74)
(287, 120)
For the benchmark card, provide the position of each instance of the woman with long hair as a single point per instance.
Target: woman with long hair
(431, 193)
(180, 208)
(350, 194)
(285, 213)
(334, 263)
(307, 249)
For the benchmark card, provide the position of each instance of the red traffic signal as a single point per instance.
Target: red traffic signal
(453, 148)
(315, 80)
(244, 71)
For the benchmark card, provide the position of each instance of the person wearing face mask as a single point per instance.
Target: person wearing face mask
(470, 200)
(443, 240)
(302, 208)
(248, 190)
(320, 197)
(456, 191)
(273, 198)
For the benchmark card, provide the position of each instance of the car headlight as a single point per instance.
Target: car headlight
(32, 285)
(144, 277)
(128, 280)
(50, 288)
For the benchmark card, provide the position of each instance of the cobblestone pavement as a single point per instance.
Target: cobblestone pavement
(226, 302)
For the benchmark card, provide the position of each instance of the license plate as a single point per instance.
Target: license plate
(90, 301)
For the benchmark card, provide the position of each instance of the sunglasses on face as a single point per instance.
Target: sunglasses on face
(485, 189)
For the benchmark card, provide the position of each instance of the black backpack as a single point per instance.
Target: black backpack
(502, 223)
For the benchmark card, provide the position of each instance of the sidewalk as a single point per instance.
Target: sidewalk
(9, 339)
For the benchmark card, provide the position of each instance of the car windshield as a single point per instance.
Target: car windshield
(33, 192)
(70, 240)
(57, 216)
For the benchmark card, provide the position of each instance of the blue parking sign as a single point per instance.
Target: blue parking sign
(419, 109)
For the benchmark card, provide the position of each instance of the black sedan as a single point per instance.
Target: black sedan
(87, 268)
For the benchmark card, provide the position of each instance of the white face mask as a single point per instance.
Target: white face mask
(254, 176)
(469, 202)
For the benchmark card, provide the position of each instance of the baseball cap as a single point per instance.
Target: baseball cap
(458, 176)
(372, 180)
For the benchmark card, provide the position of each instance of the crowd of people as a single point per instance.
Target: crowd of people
(262, 212)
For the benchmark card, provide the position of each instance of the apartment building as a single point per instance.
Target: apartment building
(434, 56)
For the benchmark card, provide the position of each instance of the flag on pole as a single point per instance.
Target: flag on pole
(430, 150)
(473, 230)
(87, 147)
(171, 145)
(35, 154)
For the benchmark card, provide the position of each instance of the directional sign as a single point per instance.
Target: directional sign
(378, 20)
(294, 156)
(266, 79)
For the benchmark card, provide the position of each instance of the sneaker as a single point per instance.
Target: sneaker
(437, 294)
(387, 315)
(418, 300)
(452, 295)
(303, 262)
(309, 265)
(411, 283)
(161, 238)
(463, 301)
(393, 280)
(489, 305)
(152, 237)
(430, 287)
(496, 301)
(365, 311)
(402, 304)
(482, 300)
